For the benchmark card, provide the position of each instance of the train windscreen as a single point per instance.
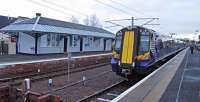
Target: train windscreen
(118, 41)
(144, 44)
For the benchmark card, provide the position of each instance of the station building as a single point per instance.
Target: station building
(7, 46)
(41, 35)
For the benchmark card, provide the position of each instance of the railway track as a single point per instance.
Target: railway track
(103, 94)
(77, 82)
(16, 80)
(111, 92)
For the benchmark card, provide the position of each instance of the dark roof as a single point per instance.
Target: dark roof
(5, 20)
(58, 23)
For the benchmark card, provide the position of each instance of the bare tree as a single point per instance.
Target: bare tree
(93, 20)
(73, 19)
(86, 21)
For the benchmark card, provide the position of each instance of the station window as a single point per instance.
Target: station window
(88, 41)
(74, 40)
(50, 40)
(97, 41)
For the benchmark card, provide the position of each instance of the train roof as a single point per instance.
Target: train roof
(140, 27)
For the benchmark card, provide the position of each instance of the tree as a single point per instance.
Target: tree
(92, 21)
(86, 21)
(73, 19)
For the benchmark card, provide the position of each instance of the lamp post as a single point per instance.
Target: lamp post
(68, 65)
(172, 38)
(195, 33)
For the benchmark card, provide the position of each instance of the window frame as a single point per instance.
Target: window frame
(52, 40)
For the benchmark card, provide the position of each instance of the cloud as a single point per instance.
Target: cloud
(178, 16)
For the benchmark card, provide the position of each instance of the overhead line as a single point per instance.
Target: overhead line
(147, 23)
(108, 5)
(49, 7)
(64, 7)
(115, 24)
(134, 19)
(116, 2)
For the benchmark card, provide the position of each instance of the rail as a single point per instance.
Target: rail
(97, 96)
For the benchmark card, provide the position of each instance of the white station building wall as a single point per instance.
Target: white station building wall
(50, 43)
(26, 43)
(73, 43)
(54, 43)
(93, 44)
(108, 45)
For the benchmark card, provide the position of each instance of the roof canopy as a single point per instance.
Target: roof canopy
(47, 25)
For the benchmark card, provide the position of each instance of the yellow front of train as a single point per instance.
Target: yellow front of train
(133, 51)
(124, 51)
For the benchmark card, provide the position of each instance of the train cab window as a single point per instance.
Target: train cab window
(144, 43)
(118, 41)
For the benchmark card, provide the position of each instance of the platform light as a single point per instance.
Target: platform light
(84, 80)
(38, 70)
(27, 84)
(50, 82)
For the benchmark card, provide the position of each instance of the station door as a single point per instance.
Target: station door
(3, 48)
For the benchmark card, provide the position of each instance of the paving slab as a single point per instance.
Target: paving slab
(185, 85)
(151, 88)
(26, 57)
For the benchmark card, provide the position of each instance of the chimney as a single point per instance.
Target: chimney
(38, 14)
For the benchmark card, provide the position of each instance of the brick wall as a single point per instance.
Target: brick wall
(4, 94)
(20, 69)
(9, 94)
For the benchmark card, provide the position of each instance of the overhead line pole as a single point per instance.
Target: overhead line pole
(132, 23)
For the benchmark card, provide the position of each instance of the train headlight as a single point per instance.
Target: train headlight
(133, 64)
(115, 54)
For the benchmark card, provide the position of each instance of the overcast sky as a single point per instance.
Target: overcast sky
(176, 16)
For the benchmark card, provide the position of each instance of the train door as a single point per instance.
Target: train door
(127, 47)
(128, 50)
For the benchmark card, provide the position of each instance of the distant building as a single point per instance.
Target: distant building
(4, 21)
(42, 35)
(6, 45)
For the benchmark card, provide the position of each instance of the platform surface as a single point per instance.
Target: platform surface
(150, 88)
(25, 57)
(185, 85)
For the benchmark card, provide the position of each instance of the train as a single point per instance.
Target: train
(135, 48)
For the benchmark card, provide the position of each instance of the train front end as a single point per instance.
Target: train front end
(134, 50)
(124, 51)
